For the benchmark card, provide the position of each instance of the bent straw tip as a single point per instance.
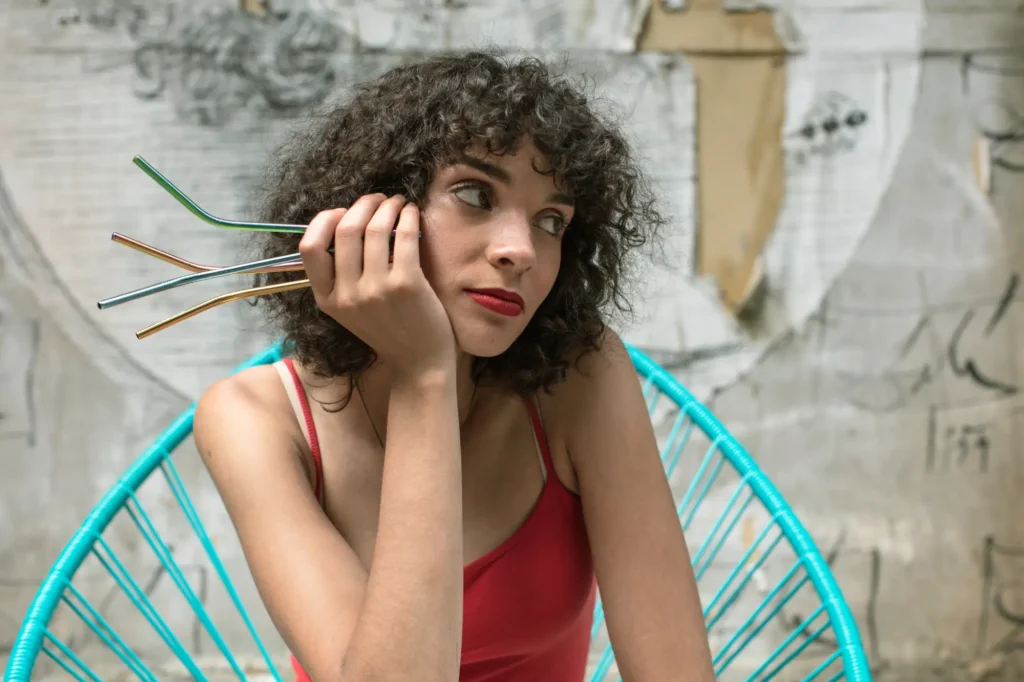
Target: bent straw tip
(151, 329)
(144, 165)
(108, 302)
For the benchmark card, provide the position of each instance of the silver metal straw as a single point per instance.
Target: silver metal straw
(241, 268)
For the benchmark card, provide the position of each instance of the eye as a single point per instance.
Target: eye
(553, 224)
(474, 195)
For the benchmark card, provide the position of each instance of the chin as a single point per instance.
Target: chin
(485, 341)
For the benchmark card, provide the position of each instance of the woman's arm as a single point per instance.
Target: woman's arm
(402, 619)
(643, 567)
(410, 627)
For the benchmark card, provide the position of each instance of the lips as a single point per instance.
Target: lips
(501, 301)
(503, 294)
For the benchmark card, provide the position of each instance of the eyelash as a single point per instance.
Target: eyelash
(487, 193)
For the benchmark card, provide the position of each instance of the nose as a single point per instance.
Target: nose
(511, 245)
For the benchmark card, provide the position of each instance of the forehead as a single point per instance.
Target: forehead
(523, 153)
(521, 159)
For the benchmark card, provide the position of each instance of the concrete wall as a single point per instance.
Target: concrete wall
(878, 384)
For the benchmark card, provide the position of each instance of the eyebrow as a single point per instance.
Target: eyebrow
(503, 177)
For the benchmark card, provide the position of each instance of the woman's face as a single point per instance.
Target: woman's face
(492, 232)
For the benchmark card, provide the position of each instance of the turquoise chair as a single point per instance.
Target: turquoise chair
(772, 607)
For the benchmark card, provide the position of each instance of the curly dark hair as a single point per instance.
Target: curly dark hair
(392, 133)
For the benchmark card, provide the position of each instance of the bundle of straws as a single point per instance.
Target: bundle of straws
(287, 263)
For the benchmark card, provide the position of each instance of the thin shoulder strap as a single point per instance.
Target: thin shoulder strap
(300, 403)
(541, 438)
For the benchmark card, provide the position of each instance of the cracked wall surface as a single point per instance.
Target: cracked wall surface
(879, 385)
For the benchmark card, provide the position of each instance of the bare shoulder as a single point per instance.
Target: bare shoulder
(248, 388)
(252, 394)
(609, 364)
(246, 415)
(594, 377)
(585, 410)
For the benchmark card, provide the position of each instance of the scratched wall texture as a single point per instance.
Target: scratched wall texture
(889, 413)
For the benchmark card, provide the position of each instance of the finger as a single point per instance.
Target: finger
(407, 239)
(317, 262)
(377, 242)
(348, 240)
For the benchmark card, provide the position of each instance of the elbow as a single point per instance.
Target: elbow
(355, 668)
(344, 672)
(358, 669)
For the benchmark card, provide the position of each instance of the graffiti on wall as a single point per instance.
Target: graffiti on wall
(212, 62)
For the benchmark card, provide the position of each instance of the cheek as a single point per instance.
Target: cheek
(435, 249)
(549, 263)
(431, 260)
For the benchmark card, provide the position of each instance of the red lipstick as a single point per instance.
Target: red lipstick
(501, 301)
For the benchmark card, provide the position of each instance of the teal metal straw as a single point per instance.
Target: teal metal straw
(195, 209)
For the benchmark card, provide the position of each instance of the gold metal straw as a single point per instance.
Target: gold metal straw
(282, 264)
(196, 267)
(218, 300)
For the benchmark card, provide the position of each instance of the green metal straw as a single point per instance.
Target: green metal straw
(194, 208)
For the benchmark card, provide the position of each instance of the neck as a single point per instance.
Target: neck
(374, 388)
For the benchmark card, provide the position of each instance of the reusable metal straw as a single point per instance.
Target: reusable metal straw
(286, 266)
(287, 263)
(218, 300)
(195, 209)
(189, 265)
(243, 268)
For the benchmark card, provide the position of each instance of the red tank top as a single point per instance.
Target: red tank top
(528, 604)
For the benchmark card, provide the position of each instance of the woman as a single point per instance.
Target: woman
(459, 452)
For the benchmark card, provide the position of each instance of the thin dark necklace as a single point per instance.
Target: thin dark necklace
(368, 417)
(362, 400)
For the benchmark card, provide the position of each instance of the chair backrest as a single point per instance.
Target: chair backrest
(112, 603)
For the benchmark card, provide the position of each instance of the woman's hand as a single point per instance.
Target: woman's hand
(390, 306)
